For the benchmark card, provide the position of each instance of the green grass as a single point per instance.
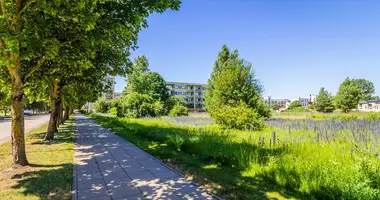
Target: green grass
(49, 175)
(246, 165)
(320, 116)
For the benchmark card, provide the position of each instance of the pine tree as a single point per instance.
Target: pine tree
(233, 85)
(324, 103)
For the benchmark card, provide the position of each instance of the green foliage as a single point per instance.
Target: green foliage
(178, 110)
(232, 83)
(295, 104)
(367, 89)
(239, 117)
(348, 95)
(174, 100)
(297, 164)
(275, 106)
(101, 106)
(112, 111)
(324, 102)
(136, 105)
(142, 81)
(298, 109)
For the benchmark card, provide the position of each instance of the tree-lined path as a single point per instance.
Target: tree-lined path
(109, 167)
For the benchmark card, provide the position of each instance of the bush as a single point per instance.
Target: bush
(112, 111)
(298, 109)
(179, 110)
(136, 105)
(159, 108)
(239, 117)
(172, 101)
(101, 106)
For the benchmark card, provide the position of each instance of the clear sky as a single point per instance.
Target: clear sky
(295, 47)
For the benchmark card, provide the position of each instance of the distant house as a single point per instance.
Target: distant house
(369, 106)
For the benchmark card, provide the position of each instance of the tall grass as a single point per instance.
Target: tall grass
(331, 159)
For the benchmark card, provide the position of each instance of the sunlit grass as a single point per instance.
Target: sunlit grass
(249, 165)
(49, 175)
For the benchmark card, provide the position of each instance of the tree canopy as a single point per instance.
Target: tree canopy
(324, 102)
(62, 39)
(233, 84)
(348, 95)
(367, 89)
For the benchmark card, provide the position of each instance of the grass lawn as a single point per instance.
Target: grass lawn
(49, 175)
(317, 115)
(225, 180)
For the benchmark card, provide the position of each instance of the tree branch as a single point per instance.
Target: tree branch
(4, 11)
(36, 67)
(25, 7)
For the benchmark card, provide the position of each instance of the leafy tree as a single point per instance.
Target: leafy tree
(367, 89)
(136, 105)
(324, 102)
(233, 84)
(101, 106)
(34, 33)
(142, 81)
(173, 101)
(375, 98)
(294, 104)
(5, 99)
(348, 95)
(178, 110)
(276, 106)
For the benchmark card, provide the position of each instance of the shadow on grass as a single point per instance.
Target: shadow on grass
(51, 183)
(62, 136)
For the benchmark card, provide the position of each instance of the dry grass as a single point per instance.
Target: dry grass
(49, 175)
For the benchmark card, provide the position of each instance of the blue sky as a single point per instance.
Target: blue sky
(295, 47)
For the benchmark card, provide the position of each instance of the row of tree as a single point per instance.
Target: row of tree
(350, 92)
(61, 51)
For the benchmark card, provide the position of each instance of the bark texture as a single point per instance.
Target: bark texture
(67, 113)
(55, 102)
(17, 116)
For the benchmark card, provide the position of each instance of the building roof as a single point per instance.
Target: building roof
(184, 83)
(369, 101)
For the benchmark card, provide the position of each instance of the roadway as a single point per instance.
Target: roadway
(31, 122)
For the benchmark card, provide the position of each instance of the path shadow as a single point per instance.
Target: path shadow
(51, 183)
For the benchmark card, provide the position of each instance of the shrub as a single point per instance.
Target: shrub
(239, 117)
(112, 111)
(178, 110)
(101, 106)
(172, 101)
(297, 109)
(136, 105)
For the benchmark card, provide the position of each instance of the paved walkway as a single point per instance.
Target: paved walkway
(109, 167)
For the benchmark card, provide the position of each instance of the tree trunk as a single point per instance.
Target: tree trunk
(5, 112)
(55, 101)
(61, 119)
(17, 116)
(67, 113)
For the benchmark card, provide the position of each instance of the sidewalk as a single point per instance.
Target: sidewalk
(109, 167)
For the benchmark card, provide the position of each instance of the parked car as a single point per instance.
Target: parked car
(28, 112)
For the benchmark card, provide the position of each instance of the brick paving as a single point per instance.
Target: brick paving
(109, 167)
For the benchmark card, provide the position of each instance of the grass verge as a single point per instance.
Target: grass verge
(49, 175)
